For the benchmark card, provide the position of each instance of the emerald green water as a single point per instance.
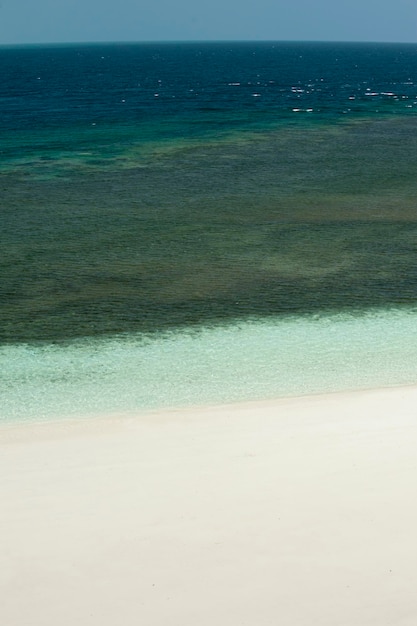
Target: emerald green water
(292, 221)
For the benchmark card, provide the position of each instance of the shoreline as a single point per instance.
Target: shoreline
(95, 419)
(60, 425)
(299, 510)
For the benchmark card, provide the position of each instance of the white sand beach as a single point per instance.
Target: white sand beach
(292, 512)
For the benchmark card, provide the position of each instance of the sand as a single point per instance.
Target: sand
(294, 512)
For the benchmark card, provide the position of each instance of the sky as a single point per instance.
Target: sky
(62, 21)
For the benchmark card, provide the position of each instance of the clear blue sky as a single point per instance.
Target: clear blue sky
(45, 21)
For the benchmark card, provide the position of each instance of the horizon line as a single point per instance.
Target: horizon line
(200, 41)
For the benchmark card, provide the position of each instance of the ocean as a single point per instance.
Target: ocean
(192, 223)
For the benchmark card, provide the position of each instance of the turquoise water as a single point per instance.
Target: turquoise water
(240, 361)
(192, 223)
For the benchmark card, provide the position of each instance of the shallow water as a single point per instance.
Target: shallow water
(240, 361)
